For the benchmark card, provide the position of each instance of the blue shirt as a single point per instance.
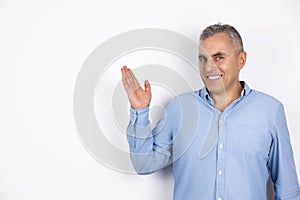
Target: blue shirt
(218, 155)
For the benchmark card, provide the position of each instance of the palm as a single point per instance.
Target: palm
(137, 96)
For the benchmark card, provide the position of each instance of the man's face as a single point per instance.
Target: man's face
(220, 64)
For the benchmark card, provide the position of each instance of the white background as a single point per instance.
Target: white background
(42, 47)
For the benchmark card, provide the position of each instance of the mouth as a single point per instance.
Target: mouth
(214, 77)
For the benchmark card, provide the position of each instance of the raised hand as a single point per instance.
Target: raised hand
(137, 96)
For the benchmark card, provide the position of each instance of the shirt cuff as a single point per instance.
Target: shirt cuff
(139, 116)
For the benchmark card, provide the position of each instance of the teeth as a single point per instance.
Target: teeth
(214, 77)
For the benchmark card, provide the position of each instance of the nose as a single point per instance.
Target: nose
(210, 66)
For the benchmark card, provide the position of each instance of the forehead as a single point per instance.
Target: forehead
(220, 42)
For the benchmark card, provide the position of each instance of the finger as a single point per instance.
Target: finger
(125, 82)
(124, 69)
(147, 86)
(125, 78)
(129, 77)
(132, 78)
(125, 74)
(129, 82)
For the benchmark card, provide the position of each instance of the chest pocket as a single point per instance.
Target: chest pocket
(250, 139)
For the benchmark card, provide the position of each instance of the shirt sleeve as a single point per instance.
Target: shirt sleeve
(150, 150)
(281, 161)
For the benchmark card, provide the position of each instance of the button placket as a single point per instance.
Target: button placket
(220, 159)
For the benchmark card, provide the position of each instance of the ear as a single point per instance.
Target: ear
(242, 59)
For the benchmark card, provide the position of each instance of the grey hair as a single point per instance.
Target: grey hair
(224, 28)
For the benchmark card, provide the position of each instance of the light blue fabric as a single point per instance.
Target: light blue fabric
(218, 155)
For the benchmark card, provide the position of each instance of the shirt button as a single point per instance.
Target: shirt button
(219, 198)
(220, 172)
(221, 121)
(221, 146)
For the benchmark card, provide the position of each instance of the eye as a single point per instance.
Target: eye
(219, 57)
(202, 59)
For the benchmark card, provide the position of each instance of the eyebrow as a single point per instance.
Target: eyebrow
(201, 56)
(219, 54)
(214, 55)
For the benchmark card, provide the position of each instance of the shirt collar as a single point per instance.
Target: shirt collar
(246, 89)
(203, 93)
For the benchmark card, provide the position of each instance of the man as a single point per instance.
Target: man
(236, 135)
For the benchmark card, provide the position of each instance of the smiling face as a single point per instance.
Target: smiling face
(220, 64)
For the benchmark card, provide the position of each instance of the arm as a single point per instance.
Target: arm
(149, 150)
(281, 161)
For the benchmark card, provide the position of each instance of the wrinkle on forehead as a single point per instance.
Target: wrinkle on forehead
(220, 42)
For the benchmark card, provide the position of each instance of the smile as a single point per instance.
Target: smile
(214, 77)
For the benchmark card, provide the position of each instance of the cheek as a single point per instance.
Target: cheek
(201, 68)
(232, 72)
(223, 66)
(228, 67)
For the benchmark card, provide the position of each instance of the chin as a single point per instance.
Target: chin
(216, 90)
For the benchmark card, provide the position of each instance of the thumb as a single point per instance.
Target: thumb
(147, 86)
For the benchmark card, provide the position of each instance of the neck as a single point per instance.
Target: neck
(222, 100)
